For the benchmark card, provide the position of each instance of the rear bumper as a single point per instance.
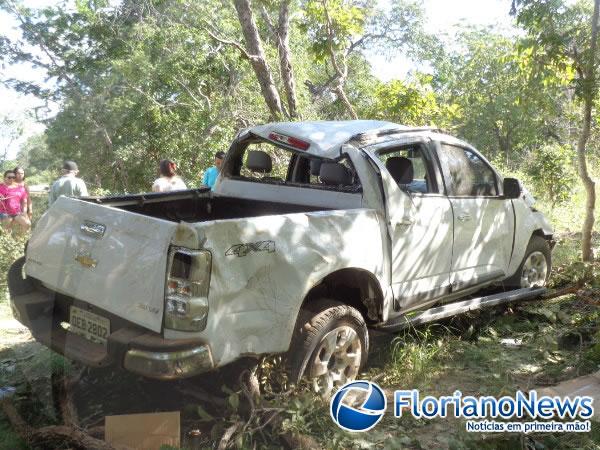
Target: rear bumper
(133, 348)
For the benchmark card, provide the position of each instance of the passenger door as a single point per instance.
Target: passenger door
(483, 220)
(420, 224)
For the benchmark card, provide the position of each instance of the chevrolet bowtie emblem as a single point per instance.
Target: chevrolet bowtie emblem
(86, 260)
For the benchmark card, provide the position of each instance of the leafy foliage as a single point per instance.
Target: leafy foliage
(411, 102)
(11, 248)
(500, 104)
(551, 170)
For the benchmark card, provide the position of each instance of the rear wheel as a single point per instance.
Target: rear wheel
(534, 270)
(329, 347)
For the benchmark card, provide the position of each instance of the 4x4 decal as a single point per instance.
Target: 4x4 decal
(243, 249)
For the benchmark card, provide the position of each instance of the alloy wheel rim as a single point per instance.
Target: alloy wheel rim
(336, 360)
(535, 271)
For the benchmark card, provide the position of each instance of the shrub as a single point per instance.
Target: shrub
(11, 248)
(552, 173)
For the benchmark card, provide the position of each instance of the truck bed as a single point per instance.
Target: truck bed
(199, 205)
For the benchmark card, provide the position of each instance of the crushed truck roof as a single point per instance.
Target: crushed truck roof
(325, 137)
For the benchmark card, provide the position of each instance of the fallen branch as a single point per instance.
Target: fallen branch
(588, 299)
(62, 434)
(560, 292)
(227, 436)
(62, 386)
(98, 431)
(59, 434)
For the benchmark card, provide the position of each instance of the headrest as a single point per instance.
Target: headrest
(335, 174)
(401, 169)
(315, 167)
(259, 161)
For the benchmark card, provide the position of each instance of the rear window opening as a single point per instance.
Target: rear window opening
(263, 162)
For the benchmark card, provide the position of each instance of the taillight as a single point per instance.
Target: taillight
(186, 293)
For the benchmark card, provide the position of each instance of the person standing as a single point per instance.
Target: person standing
(20, 180)
(169, 180)
(13, 203)
(68, 184)
(211, 174)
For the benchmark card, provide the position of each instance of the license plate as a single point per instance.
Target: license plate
(91, 326)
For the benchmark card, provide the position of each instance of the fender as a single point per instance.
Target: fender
(527, 222)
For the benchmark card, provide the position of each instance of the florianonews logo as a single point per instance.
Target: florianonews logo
(358, 406)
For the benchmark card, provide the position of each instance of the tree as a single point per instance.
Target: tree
(504, 104)
(564, 35)
(338, 29)
(253, 51)
(285, 59)
(257, 57)
(136, 83)
(410, 102)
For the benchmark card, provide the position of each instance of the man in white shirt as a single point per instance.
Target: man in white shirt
(68, 184)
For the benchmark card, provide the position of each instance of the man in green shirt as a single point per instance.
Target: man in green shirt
(68, 184)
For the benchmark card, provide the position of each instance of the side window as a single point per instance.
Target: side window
(408, 168)
(465, 173)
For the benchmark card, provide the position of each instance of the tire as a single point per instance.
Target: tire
(18, 283)
(534, 270)
(315, 352)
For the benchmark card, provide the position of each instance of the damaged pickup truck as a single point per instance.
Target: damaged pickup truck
(315, 232)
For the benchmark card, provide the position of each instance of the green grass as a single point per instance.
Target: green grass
(8, 439)
(491, 353)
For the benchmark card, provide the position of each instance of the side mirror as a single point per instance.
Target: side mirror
(512, 188)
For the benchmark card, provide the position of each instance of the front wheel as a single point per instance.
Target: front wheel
(329, 347)
(534, 270)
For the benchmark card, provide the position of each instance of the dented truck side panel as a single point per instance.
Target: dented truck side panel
(263, 267)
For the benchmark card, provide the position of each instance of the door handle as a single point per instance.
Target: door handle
(464, 217)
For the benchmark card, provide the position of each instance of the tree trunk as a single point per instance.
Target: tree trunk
(258, 59)
(285, 62)
(341, 93)
(503, 144)
(340, 66)
(589, 84)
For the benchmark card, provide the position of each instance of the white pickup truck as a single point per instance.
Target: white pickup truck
(315, 232)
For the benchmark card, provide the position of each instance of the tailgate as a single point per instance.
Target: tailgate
(113, 259)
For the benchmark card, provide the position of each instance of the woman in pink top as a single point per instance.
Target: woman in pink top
(20, 180)
(13, 203)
